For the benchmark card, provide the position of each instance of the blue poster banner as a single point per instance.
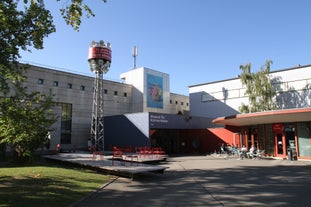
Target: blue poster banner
(155, 91)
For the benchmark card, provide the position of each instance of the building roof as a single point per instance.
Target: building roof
(238, 77)
(267, 117)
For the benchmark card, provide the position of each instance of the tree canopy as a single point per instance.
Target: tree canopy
(26, 116)
(24, 124)
(25, 24)
(259, 89)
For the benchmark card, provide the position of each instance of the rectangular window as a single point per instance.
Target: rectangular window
(55, 83)
(205, 97)
(171, 101)
(176, 102)
(40, 81)
(69, 85)
(82, 88)
(115, 93)
(125, 94)
(303, 139)
(105, 91)
(66, 122)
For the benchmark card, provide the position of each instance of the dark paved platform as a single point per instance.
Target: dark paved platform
(126, 168)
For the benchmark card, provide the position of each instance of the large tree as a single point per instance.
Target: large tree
(259, 89)
(25, 24)
(25, 123)
(25, 117)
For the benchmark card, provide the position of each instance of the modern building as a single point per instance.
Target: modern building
(140, 110)
(141, 90)
(280, 132)
(224, 97)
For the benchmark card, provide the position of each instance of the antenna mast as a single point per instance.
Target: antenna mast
(134, 54)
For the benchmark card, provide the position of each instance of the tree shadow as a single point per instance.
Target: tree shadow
(288, 97)
(279, 185)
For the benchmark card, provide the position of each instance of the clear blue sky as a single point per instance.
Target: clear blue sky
(194, 41)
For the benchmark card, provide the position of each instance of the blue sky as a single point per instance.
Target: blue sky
(195, 41)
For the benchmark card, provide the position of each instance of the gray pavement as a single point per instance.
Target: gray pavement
(211, 181)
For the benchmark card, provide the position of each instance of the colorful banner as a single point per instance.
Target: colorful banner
(154, 91)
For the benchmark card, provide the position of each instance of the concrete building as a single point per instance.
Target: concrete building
(142, 90)
(140, 110)
(280, 133)
(151, 92)
(224, 97)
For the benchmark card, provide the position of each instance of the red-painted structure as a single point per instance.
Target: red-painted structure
(278, 132)
(99, 52)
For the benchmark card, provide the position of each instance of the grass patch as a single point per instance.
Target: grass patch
(46, 184)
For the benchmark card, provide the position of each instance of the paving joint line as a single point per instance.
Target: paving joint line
(202, 186)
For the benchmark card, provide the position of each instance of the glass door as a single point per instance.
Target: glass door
(279, 144)
(290, 136)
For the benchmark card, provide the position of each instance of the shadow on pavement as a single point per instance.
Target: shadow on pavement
(240, 184)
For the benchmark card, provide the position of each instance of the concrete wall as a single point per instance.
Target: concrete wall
(130, 130)
(138, 78)
(223, 98)
(77, 90)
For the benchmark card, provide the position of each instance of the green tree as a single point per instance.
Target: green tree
(259, 89)
(25, 117)
(73, 12)
(24, 123)
(25, 24)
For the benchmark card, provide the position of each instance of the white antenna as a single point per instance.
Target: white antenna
(134, 54)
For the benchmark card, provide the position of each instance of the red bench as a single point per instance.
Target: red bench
(117, 154)
(95, 153)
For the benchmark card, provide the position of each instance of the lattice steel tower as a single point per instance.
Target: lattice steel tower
(99, 58)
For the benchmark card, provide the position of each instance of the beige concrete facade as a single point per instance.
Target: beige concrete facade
(73, 95)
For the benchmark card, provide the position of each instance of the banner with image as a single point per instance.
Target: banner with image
(154, 91)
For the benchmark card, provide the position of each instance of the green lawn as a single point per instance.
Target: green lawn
(46, 184)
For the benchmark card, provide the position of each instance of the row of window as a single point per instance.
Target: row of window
(181, 103)
(82, 87)
(55, 84)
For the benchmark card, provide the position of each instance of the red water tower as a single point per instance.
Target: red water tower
(99, 58)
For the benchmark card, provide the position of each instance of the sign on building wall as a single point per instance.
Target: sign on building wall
(278, 128)
(154, 91)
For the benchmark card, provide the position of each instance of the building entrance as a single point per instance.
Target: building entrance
(168, 139)
(285, 140)
(290, 136)
(280, 144)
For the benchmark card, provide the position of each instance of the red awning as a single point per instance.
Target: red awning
(268, 117)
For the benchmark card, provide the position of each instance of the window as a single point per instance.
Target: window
(55, 83)
(115, 93)
(171, 101)
(105, 91)
(69, 85)
(66, 122)
(182, 103)
(176, 102)
(82, 88)
(40, 81)
(125, 94)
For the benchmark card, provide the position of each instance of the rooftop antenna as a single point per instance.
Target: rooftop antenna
(134, 54)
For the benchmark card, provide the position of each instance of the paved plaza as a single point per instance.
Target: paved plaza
(211, 181)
